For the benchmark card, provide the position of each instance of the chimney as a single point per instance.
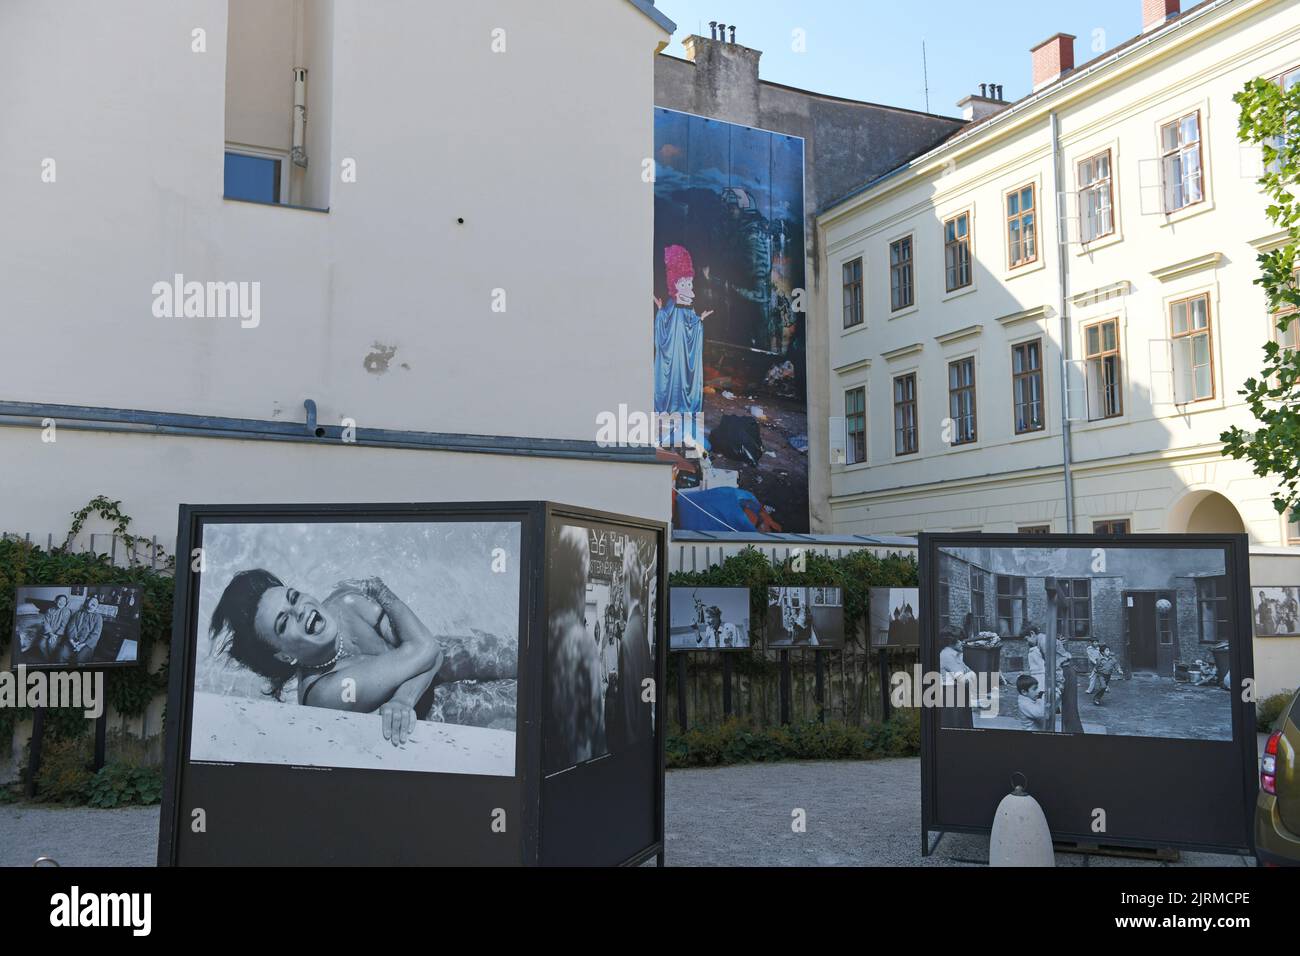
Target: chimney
(989, 101)
(1156, 13)
(1053, 58)
(726, 77)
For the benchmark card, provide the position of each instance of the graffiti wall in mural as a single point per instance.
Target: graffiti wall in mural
(729, 320)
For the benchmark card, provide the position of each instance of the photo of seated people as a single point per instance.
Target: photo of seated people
(76, 625)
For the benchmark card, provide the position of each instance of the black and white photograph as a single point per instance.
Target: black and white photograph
(1277, 611)
(805, 617)
(385, 645)
(602, 585)
(894, 618)
(709, 619)
(1086, 640)
(76, 626)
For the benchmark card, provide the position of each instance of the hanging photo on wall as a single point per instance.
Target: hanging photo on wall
(76, 626)
(805, 617)
(709, 619)
(328, 644)
(1277, 611)
(602, 598)
(895, 618)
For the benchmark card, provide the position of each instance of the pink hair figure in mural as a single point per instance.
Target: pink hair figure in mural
(679, 347)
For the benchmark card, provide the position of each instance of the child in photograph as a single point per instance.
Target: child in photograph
(1031, 703)
(1106, 668)
(1094, 654)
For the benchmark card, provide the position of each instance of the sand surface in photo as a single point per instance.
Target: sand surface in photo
(240, 730)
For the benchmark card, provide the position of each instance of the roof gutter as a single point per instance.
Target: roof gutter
(1034, 99)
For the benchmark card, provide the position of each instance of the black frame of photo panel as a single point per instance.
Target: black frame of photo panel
(281, 814)
(89, 665)
(1142, 783)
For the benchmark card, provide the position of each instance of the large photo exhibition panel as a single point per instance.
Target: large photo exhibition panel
(600, 749)
(1104, 671)
(352, 688)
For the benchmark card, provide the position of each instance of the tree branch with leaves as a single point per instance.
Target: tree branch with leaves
(1270, 120)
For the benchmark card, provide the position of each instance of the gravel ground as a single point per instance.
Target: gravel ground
(858, 813)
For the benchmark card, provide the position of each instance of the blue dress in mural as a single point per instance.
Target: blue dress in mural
(679, 363)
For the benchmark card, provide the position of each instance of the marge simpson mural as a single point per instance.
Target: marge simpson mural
(728, 322)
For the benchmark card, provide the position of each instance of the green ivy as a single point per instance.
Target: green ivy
(735, 741)
(129, 690)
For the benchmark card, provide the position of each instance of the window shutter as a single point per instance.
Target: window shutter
(1162, 373)
(1151, 187)
(1067, 216)
(1076, 389)
(839, 441)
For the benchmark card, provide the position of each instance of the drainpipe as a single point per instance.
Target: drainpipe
(1062, 309)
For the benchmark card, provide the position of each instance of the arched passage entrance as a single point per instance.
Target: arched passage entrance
(1205, 512)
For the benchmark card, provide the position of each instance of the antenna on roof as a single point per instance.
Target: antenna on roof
(925, 72)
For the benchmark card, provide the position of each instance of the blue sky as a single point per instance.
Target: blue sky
(871, 49)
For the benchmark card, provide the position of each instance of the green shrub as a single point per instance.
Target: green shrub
(1270, 709)
(734, 742)
(65, 770)
(120, 785)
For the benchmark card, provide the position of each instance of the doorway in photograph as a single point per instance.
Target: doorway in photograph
(1149, 618)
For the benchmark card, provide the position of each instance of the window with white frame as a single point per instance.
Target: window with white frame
(905, 438)
(1022, 235)
(1181, 165)
(1287, 81)
(1101, 354)
(1027, 386)
(901, 294)
(1096, 198)
(1193, 352)
(853, 314)
(957, 252)
(855, 424)
(961, 400)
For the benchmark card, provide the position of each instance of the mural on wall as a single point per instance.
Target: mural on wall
(729, 326)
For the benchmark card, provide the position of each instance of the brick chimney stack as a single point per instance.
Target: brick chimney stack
(1053, 58)
(1156, 13)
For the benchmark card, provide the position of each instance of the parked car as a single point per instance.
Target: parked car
(1277, 811)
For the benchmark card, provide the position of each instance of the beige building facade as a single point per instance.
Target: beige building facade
(1058, 304)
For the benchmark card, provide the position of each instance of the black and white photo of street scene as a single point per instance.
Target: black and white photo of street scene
(1129, 641)
(894, 617)
(76, 625)
(602, 587)
(709, 619)
(381, 645)
(805, 617)
(1277, 611)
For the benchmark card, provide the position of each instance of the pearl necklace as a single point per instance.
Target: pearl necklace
(339, 654)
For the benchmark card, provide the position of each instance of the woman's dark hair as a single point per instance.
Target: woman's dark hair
(1024, 682)
(234, 617)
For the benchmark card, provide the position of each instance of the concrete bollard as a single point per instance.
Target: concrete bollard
(1020, 836)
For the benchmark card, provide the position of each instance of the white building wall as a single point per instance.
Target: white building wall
(381, 309)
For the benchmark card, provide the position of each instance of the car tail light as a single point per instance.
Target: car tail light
(1268, 766)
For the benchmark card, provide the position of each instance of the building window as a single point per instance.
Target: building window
(1212, 610)
(1112, 526)
(1193, 361)
(1293, 529)
(1011, 604)
(1096, 198)
(900, 274)
(1035, 529)
(1287, 81)
(1022, 237)
(1101, 353)
(978, 599)
(1027, 385)
(961, 400)
(255, 178)
(1180, 162)
(956, 252)
(855, 424)
(1074, 611)
(905, 442)
(1289, 338)
(853, 314)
